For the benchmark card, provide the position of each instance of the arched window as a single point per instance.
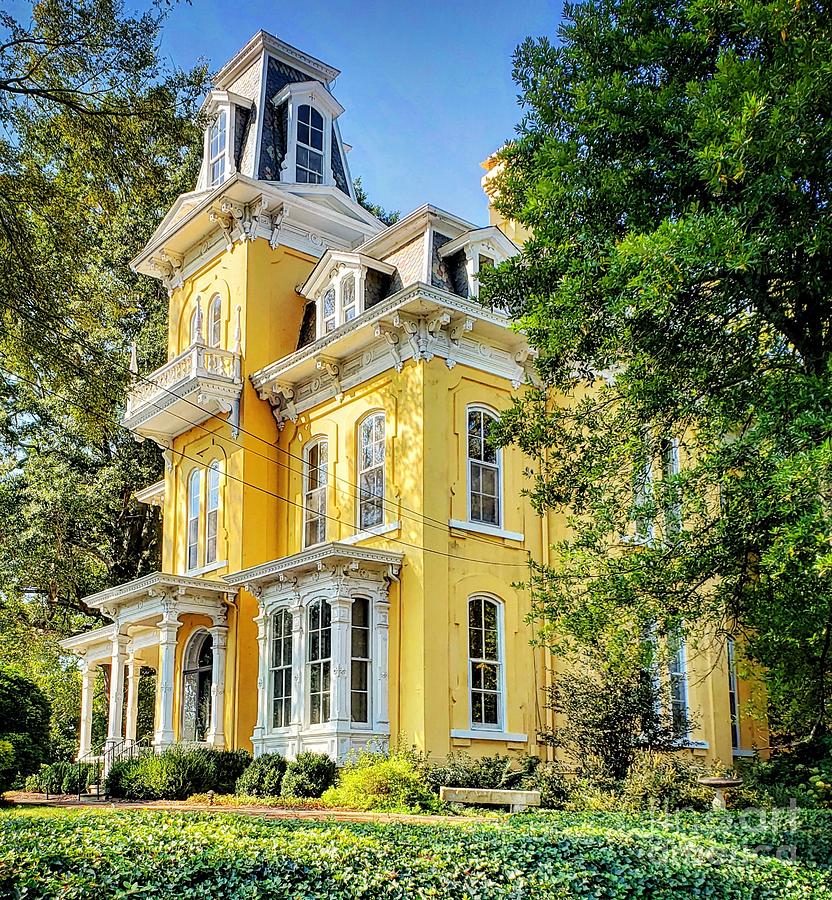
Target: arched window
(485, 662)
(215, 322)
(212, 513)
(484, 469)
(314, 492)
(281, 669)
(319, 659)
(360, 661)
(349, 308)
(219, 132)
(328, 318)
(371, 471)
(196, 322)
(196, 687)
(310, 146)
(194, 504)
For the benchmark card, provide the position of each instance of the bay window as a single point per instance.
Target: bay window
(319, 660)
(281, 669)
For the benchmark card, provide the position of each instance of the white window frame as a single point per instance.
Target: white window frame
(309, 147)
(315, 443)
(500, 662)
(470, 462)
(215, 322)
(319, 661)
(220, 157)
(195, 324)
(213, 482)
(362, 470)
(194, 496)
(283, 614)
(733, 696)
(308, 93)
(367, 661)
(677, 673)
(200, 634)
(337, 285)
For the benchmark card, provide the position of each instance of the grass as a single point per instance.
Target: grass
(74, 854)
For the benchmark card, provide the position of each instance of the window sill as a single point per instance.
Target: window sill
(204, 570)
(490, 530)
(688, 744)
(484, 734)
(368, 533)
(743, 754)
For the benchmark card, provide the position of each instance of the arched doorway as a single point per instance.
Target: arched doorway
(196, 687)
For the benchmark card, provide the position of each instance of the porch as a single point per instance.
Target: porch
(147, 618)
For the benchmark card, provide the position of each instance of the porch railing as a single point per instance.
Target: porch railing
(104, 761)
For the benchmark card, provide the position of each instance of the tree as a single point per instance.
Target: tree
(389, 217)
(24, 726)
(673, 165)
(99, 138)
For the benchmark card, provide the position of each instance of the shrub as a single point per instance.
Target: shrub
(177, 773)
(666, 781)
(7, 765)
(24, 725)
(309, 775)
(551, 779)
(263, 777)
(63, 777)
(384, 782)
(495, 772)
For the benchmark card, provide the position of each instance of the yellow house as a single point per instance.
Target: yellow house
(341, 544)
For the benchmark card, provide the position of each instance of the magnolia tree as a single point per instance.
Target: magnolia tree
(674, 169)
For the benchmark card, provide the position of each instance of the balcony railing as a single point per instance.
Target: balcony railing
(185, 392)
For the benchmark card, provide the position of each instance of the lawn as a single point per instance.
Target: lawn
(136, 854)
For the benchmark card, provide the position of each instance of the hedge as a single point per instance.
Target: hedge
(78, 854)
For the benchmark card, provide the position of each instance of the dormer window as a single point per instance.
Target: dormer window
(328, 312)
(219, 142)
(473, 252)
(310, 149)
(348, 298)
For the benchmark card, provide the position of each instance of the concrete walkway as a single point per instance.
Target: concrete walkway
(19, 798)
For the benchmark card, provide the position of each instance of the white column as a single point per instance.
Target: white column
(219, 642)
(380, 664)
(168, 628)
(262, 678)
(133, 674)
(298, 665)
(119, 657)
(87, 693)
(341, 657)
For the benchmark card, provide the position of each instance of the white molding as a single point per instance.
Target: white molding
(368, 533)
(689, 744)
(153, 495)
(211, 567)
(156, 583)
(486, 734)
(743, 754)
(490, 530)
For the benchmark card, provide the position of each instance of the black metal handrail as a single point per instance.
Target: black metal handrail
(111, 754)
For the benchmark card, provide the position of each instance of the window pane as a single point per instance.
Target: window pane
(489, 676)
(476, 708)
(490, 710)
(359, 711)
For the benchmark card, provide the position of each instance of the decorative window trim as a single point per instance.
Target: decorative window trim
(483, 734)
(315, 442)
(367, 724)
(492, 413)
(280, 612)
(322, 603)
(217, 103)
(204, 570)
(360, 470)
(198, 634)
(368, 533)
(499, 726)
(337, 282)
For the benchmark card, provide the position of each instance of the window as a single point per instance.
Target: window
(281, 669)
(216, 163)
(196, 687)
(328, 310)
(670, 473)
(371, 471)
(349, 307)
(215, 323)
(360, 661)
(733, 697)
(319, 652)
(678, 682)
(196, 323)
(309, 155)
(212, 513)
(194, 502)
(483, 469)
(484, 662)
(643, 496)
(314, 493)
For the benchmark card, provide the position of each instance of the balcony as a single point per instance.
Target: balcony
(192, 388)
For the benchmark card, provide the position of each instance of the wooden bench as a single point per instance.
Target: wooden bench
(517, 801)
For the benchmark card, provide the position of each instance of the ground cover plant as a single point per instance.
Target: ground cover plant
(108, 854)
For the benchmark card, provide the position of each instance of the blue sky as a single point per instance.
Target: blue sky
(426, 86)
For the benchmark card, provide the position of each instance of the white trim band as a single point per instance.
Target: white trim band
(490, 530)
(487, 734)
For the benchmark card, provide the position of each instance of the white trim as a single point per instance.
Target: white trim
(490, 530)
(485, 734)
(743, 754)
(502, 706)
(493, 415)
(690, 744)
(211, 567)
(368, 533)
(314, 441)
(360, 470)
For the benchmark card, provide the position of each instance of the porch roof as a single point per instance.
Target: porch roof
(156, 585)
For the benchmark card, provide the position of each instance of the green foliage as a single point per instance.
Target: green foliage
(557, 855)
(309, 775)
(495, 772)
(609, 715)
(63, 777)
(24, 723)
(389, 217)
(672, 165)
(383, 781)
(666, 781)
(7, 765)
(263, 777)
(177, 773)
